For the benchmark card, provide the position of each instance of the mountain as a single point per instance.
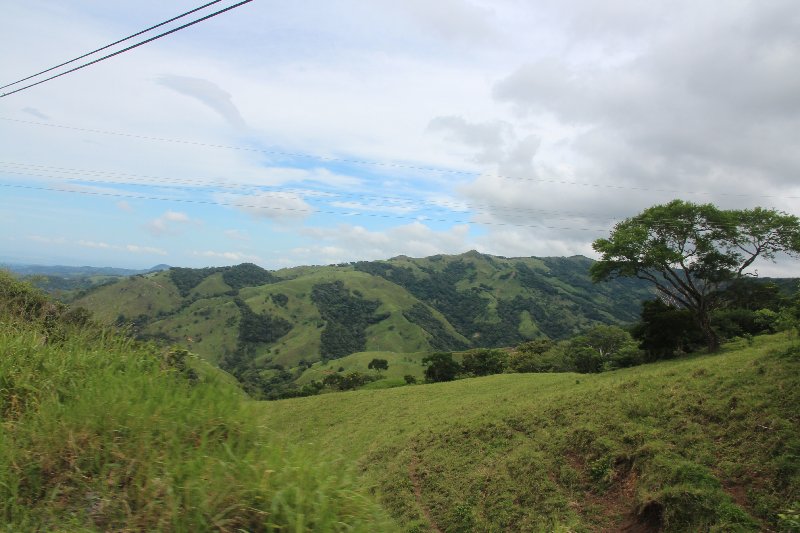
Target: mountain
(306, 314)
(699, 443)
(58, 278)
(76, 272)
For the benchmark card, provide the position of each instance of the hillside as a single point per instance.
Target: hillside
(99, 433)
(706, 443)
(701, 443)
(302, 315)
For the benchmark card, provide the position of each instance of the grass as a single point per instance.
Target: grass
(705, 443)
(99, 433)
(400, 364)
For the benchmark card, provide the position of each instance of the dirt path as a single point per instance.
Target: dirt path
(412, 474)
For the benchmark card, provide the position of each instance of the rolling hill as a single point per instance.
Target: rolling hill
(703, 443)
(302, 315)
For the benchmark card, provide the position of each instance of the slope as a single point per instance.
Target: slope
(701, 443)
(99, 433)
(401, 305)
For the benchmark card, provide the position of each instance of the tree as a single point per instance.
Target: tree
(604, 348)
(441, 367)
(485, 361)
(690, 252)
(378, 364)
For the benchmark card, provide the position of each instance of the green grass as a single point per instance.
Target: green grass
(99, 433)
(400, 364)
(705, 443)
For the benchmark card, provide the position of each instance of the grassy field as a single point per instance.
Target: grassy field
(705, 443)
(99, 433)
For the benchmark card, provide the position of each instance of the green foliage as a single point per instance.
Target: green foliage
(260, 327)
(187, 279)
(409, 379)
(690, 252)
(347, 317)
(378, 364)
(441, 338)
(279, 299)
(349, 381)
(484, 362)
(100, 433)
(604, 348)
(247, 275)
(440, 367)
(665, 331)
(527, 357)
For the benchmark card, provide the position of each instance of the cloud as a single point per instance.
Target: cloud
(708, 104)
(136, 249)
(207, 93)
(274, 206)
(94, 244)
(35, 113)
(383, 206)
(237, 257)
(167, 223)
(125, 206)
(236, 235)
(347, 242)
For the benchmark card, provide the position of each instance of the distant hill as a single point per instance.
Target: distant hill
(59, 278)
(306, 314)
(76, 271)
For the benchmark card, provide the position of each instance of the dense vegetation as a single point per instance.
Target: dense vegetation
(346, 318)
(100, 433)
(236, 316)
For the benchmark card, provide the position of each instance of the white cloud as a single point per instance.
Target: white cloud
(277, 207)
(94, 244)
(236, 235)
(237, 257)
(347, 242)
(169, 222)
(208, 93)
(136, 249)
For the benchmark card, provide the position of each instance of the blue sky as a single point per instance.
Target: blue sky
(419, 128)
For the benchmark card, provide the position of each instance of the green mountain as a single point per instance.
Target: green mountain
(700, 443)
(301, 315)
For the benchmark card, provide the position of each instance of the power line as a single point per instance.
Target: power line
(112, 44)
(295, 209)
(385, 164)
(144, 180)
(118, 52)
(674, 222)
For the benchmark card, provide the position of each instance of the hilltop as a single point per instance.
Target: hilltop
(401, 305)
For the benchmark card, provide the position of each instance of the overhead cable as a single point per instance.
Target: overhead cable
(112, 44)
(389, 164)
(118, 52)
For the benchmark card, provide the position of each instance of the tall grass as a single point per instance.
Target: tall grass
(101, 433)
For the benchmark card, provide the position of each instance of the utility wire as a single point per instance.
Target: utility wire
(354, 211)
(112, 44)
(150, 180)
(385, 164)
(295, 209)
(160, 35)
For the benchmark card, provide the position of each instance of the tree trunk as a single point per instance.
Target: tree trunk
(712, 339)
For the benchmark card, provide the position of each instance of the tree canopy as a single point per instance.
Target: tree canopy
(690, 252)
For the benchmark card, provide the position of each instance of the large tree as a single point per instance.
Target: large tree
(690, 252)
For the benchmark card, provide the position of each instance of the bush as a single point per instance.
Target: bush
(441, 367)
(483, 362)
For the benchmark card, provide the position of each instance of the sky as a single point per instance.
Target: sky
(318, 132)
